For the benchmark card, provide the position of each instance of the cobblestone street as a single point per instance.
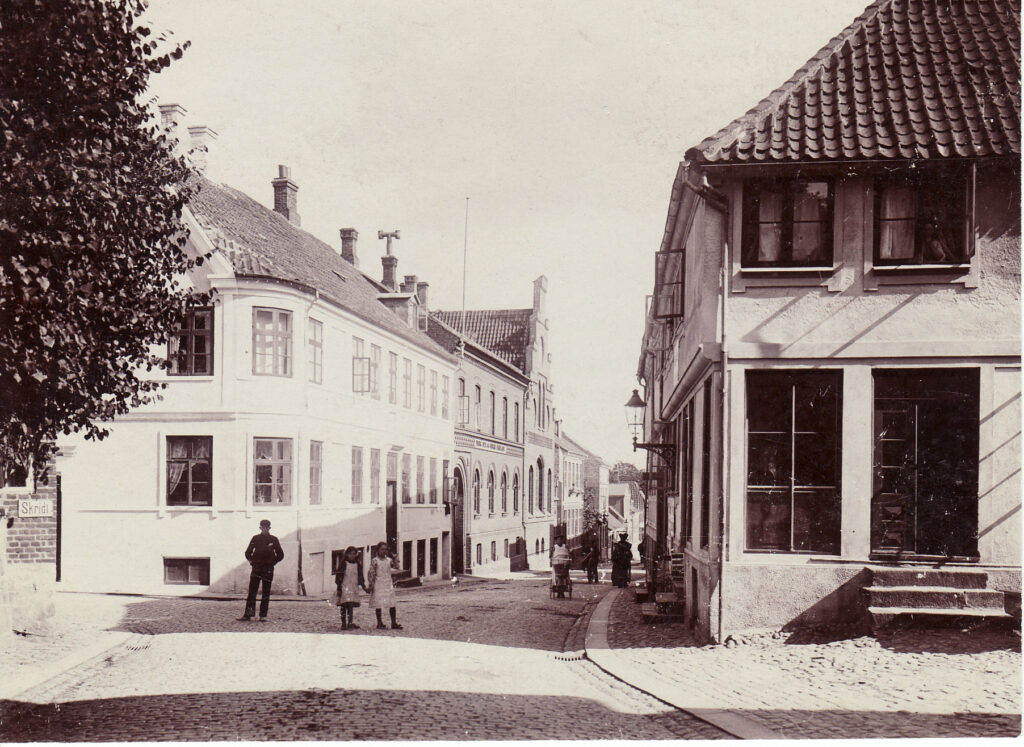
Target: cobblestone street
(910, 683)
(478, 661)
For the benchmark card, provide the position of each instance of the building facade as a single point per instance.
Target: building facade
(570, 456)
(833, 343)
(305, 394)
(486, 499)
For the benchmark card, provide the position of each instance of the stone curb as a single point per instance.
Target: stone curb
(619, 666)
(33, 679)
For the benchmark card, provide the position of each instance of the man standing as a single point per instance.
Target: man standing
(263, 553)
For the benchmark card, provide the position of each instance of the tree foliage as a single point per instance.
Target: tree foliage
(91, 238)
(624, 472)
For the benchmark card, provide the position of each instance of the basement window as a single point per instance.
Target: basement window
(194, 571)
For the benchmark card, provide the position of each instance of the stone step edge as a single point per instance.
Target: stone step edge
(947, 589)
(940, 611)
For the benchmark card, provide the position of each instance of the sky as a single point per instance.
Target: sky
(562, 122)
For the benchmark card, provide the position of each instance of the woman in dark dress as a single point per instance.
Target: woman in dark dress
(622, 556)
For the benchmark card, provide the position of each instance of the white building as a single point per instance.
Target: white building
(305, 394)
(570, 470)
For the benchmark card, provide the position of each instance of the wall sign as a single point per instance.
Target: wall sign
(31, 508)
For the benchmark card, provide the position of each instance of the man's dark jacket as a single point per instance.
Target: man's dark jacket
(264, 549)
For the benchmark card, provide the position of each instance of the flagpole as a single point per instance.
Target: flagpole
(465, 251)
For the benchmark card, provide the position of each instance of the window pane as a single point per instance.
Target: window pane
(177, 447)
(769, 207)
(264, 474)
(201, 494)
(815, 460)
(768, 519)
(769, 403)
(175, 572)
(263, 493)
(264, 320)
(815, 402)
(200, 472)
(809, 243)
(816, 515)
(201, 448)
(177, 491)
(810, 201)
(263, 449)
(768, 460)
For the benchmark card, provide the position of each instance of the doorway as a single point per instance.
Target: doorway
(925, 497)
(314, 577)
(391, 515)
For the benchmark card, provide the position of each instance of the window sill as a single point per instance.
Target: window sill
(191, 377)
(787, 271)
(929, 268)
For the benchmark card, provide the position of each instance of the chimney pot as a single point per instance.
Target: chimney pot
(349, 236)
(285, 195)
(409, 284)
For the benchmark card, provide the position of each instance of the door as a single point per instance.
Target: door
(314, 576)
(458, 524)
(391, 515)
(925, 502)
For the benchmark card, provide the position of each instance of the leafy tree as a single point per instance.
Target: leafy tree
(624, 472)
(91, 238)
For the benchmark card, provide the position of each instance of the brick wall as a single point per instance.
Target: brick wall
(32, 540)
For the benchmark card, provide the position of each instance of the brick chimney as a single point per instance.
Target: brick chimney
(421, 293)
(171, 114)
(409, 284)
(348, 245)
(285, 200)
(200, 139)
(390, 262)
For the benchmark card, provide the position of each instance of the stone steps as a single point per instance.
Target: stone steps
(966, 578)
(934, 597)
(930, 595)
(650, 613)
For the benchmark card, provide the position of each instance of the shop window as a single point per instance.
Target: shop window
(793, 458)
(787, 223)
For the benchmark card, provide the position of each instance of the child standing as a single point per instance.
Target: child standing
(382, 591)
(349, 579)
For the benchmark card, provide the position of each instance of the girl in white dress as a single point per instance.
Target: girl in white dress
(382, 591)
(349, 579)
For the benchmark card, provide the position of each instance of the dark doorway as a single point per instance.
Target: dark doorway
(421, 558)
(925, 500)
(458, 523)
(391, 515)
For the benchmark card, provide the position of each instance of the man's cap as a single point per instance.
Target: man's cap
(265, 523)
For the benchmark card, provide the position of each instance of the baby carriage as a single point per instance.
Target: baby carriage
(561, 584)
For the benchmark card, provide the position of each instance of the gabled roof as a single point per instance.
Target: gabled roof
(448, 338)
(505, 332)
(261, 243)
(907, 79)
(575, 445)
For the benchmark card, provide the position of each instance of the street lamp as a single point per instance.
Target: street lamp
(635, 419)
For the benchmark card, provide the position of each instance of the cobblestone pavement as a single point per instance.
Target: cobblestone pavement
(909, 683)
(486, 661)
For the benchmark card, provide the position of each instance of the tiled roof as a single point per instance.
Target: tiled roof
(504, 332)
(448, 338)
(907, 79)
(259, 242)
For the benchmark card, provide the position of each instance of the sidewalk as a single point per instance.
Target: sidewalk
(913, 683)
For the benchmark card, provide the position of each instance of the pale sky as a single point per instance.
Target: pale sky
(563, 122)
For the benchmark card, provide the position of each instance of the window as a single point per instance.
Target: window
(494, 550)
(433, 392)
(406, 477)
(360, 367)
(504, 417)
(793, 455)
(444, 397)
(787, 223)
(188, 470)
(479, 554)
(433, 555)
(476, 491)
(515, 493)
(15, 478)
(357, 474)
(421, 387)
(529, 492)
(490, 492)
(493, 420)
(921, 217)
(463, 404)
(421, 557)
(393, 378)
(420, 495)
(315, 351)
(316, 451)
(550, 494)
(504, 493)
(433, 479)
(477, 415)
(407, 382)
(190, 348)
(375, 371)
(187, 571)
(515, 423)
(506, 548)
(374, 475)
(445, 494)
(272, 464)
(271, 342)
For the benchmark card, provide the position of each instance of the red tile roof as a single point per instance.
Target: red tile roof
(504, 332)
(907, 79)
(261, 243)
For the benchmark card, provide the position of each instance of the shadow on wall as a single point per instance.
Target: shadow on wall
(840, 614)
